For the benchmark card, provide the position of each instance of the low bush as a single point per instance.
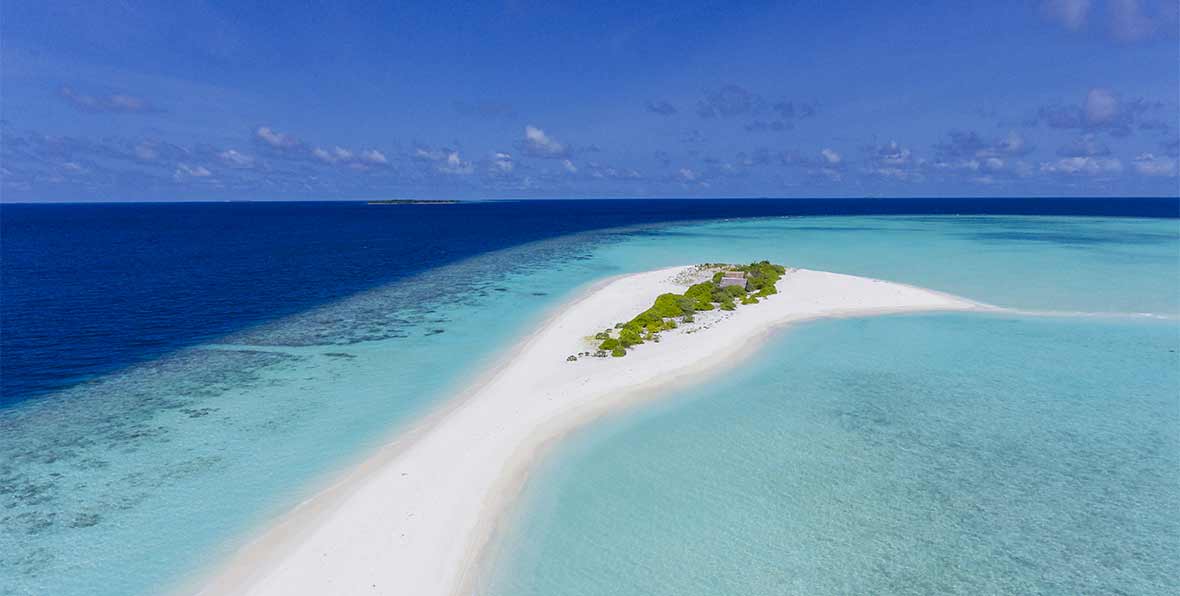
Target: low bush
(629, 337)
(761, 278)
(702, 296)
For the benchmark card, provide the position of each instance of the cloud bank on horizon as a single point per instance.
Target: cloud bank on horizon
(212, 100)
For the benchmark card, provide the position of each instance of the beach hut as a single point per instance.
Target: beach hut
(733, 278)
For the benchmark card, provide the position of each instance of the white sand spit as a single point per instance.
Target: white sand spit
(414, 518)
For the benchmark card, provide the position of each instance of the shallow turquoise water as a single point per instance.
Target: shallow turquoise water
(130, 482)
(948, 454)
(1043, 263)
(904, 455)
(126, 484)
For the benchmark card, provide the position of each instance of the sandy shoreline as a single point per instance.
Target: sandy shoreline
(416, 516)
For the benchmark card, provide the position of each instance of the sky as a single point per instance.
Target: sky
(189, 100)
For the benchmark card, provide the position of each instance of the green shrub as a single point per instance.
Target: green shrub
(609, 343)
(670, 305)
(735, 291)
(762, 276)
(760, 279)
(629, 337)
(701, 295)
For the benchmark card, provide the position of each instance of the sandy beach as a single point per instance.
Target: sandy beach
(415, 517)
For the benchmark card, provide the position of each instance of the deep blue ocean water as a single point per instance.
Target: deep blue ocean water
(87, 289)
(175, 376)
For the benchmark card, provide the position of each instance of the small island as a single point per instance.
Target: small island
(443, 487)
(414, 202)
(729, 286)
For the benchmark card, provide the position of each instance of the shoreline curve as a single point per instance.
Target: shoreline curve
(418, 515)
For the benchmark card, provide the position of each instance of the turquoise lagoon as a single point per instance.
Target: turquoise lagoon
(947, 454)
(922, 454)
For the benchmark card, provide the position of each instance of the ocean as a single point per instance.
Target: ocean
(174, 376)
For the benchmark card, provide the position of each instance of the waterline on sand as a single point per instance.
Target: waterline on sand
(415, 517)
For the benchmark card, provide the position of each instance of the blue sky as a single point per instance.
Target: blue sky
(213, 101)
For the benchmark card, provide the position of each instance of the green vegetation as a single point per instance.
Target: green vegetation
(760, 279)
(609, 344)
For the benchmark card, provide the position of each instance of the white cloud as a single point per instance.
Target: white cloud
(1102, 107)
(1128, 21)
(146, 152)
(184, 170)
(275, 139)
(894, 154)
(538, 144)
(607, 172)
(446, 161)
(1013, 143)
(830, 164)
(1150, 165)
(688, 175)
(116, 103)
(1090, 166)
(236, 158)
(963, 164)
(503, 162)
(430, 154)
(1087, 145)
(1071, 14)
(337, 154)
(569, 166)
(894, 161)
(374, 156)
(455, 165)
(346, 157)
